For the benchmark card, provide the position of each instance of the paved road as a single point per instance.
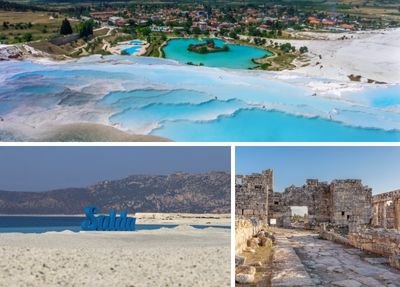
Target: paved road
(331, 264)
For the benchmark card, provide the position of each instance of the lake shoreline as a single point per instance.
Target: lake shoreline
(156, 218)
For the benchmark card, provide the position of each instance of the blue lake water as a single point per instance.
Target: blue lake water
(40, 224)
(238, 56)
(186, 103)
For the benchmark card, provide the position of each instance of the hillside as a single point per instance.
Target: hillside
(181, 192)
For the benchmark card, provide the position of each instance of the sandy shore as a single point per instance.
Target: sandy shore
(183, 218)
(181, 256)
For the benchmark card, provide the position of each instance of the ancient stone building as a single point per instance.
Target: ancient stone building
(252, 194)
(340, 202)
(314, 195)
(386, 210)
(351, 202)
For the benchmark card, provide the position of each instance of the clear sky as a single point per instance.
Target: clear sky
(45, 168)
(378, 167)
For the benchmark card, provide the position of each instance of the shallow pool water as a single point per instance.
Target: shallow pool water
(188, 103)
(136, 42)
(271, 126)
(131, 50)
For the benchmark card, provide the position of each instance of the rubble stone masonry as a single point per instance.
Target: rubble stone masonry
(386, 210)
(244, 229)
(379, 241)
(339, 202)
(252, 194)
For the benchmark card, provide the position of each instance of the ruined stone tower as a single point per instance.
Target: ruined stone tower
(252, 193)
(351, 202)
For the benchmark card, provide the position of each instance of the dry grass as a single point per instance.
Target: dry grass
(33, 17)
(41, 27)
(47, 47)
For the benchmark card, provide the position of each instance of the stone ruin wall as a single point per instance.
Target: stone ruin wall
(314, 195)
(252, 193)
(376, 240)
(386, 210)
(244, 229)
(339, 202)
(379, 241)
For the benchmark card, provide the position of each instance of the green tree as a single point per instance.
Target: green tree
(203, 50)
(65, 28)
(287, 47)
(27, 37)
(3, 37)
(233, 35)
(86, 28)
(146, 31)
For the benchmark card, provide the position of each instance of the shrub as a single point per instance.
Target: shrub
(303, 49)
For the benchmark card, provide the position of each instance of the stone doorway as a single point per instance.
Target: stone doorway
(299, 216)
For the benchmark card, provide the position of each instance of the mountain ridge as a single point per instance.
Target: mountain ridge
(178, 192)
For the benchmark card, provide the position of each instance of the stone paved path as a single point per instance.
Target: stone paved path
(331, 264)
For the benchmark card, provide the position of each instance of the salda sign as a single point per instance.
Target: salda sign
(110, 222)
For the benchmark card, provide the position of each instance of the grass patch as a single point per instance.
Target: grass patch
(278, 62)
(14, 26)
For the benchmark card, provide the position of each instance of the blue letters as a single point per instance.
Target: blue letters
(107, 223)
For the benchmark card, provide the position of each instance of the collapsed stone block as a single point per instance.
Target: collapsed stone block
(239, 260)
(245, 274)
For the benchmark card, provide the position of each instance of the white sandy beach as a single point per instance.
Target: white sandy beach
(182, 256)
(183, 218)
